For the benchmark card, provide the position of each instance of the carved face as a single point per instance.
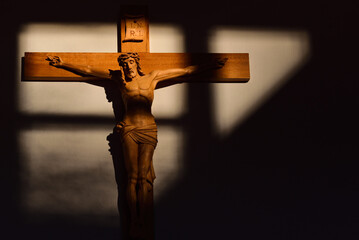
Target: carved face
(130, 68)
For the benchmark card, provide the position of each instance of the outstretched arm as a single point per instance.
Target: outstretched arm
(78, 69)
(163, 75)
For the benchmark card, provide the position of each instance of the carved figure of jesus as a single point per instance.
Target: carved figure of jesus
(138, 128)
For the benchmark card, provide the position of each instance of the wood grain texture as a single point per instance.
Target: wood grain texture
(36, 68)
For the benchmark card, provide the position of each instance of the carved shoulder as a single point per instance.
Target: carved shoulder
(153, 78)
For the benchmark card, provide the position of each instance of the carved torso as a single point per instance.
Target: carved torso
(138, 95)
(137, 89)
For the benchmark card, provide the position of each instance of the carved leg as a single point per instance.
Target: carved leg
(131, 196)
(145, 191)
(116, 149)
(130, 151)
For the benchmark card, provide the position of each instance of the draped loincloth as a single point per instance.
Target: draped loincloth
(140, 135)
(145, 134)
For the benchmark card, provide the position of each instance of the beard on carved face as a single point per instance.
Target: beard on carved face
(130, 74)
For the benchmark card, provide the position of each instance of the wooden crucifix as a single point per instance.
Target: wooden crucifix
(130, 78)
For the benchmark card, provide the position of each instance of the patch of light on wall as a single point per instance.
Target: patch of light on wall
(274, 57)
(65, 98)
(169, 102)
(168, 158)
(67, 171)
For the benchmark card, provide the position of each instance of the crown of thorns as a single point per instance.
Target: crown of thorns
(133, 55)
(125, 56)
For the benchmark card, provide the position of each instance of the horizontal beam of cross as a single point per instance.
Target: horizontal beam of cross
(36, 68)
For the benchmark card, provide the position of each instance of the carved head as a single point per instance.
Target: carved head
(130, 63)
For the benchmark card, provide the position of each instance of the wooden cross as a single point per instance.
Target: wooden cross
(134, 37)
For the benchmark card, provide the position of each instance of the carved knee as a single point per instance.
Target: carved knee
(132, 180)
(142, 180)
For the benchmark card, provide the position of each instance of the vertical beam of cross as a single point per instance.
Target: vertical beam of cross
(133, 36)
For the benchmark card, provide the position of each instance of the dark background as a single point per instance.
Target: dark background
(288, 172)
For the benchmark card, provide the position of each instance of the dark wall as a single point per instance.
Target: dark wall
(288, 172)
